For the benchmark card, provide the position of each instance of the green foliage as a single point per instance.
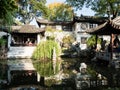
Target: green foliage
(50, 82)
(45, 50)
(45, 68)
(99, 6)
(2, 41)
(39, 6)
(60, 12)
(92, 41)
(50, 29)
(42, 57)
(28, 9)
(8, 8)
(68, 39)
(91, 72)
(18, 22)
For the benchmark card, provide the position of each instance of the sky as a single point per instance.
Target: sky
(84, 11)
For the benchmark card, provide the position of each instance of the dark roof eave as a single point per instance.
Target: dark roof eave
(91, 19)
(27, 29)
(96, 29)
(54, 22)
(26, 32)
(35, 32)
(105, 29)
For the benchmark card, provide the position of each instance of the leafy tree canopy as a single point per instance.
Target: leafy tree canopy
(92, 41)
(7, 7)
(101, 7)
(40, 7)
(55, 11)
(29, 8)
(60, 11)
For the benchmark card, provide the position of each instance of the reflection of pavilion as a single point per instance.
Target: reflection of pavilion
(110, 28)
(23, 69)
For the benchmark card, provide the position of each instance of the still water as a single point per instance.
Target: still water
(21, 72)
(64, 80)
(23, 76)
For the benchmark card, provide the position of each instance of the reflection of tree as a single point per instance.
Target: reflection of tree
(3, 70)
(45, 68)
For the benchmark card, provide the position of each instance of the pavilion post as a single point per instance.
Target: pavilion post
(111, 44)
(96, 38)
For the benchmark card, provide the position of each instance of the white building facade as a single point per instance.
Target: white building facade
(83, 23)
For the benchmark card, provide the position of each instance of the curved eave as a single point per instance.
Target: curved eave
(46, 22)
(108, 28)
(97, 30)
(91, 19)
(27, 32)
(27, 29)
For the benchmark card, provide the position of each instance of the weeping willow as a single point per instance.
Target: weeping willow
(42, 57)
(44, 50)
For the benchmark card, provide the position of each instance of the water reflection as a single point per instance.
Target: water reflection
(3, 70)
(25, 77)
(26, 88)
(69, 67)
(23, 71)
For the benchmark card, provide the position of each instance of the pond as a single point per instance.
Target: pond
(69, 67)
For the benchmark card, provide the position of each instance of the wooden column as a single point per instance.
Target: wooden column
(96, 38)
(111, 44)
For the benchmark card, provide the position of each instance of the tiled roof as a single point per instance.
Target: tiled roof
(47, 22)
(115, 23)
(26, 29)
(108, 28)
(91, 19)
